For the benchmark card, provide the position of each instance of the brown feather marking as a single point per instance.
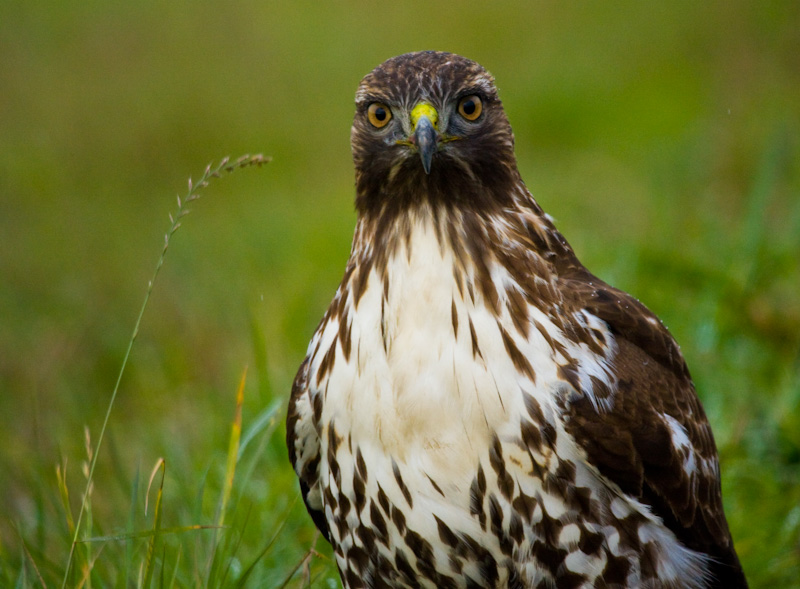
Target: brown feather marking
(399, 519)
(344, 335)
(524, 505)
(518, 311)
(504, 481)
(534, 409)
(569, 373)
(530, 435)
(477, 491)
(478, 253)
(446, 535)
(476, 351)
(327, 361)
(435, 486)
(379, 523)
(383, 499)
(545, 334)
(361, 466)
(520, 361)
(317, 405)
(359, 284)
(399, 478)
(458, 279)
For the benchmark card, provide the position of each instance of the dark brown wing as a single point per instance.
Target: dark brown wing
(633, 444)
(304, 448)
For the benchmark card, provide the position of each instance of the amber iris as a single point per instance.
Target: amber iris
(470, 107)
(379, 114)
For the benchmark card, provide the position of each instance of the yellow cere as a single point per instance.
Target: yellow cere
(423, 108)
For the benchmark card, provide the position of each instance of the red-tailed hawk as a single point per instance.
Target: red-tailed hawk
(477, 409)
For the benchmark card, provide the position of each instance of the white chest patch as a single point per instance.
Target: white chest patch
(415, 388)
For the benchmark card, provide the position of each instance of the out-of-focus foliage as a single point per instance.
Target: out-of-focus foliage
(662, 137)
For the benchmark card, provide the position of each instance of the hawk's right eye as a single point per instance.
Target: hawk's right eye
(379, 114)
(470, 107)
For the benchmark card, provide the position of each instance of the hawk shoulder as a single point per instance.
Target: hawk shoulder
(654, 441)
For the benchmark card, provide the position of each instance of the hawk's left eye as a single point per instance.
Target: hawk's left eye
(470, 107)
(379, 114)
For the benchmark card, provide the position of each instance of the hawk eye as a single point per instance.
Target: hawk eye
(379, 114)
(470, 107)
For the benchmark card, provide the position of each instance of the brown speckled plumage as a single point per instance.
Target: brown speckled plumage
(478, 410)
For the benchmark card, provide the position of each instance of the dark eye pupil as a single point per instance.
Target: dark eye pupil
(469, 106)
(380, 114)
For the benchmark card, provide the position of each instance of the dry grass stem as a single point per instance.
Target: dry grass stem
(226, 166)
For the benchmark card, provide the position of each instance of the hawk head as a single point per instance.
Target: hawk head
(430, 128)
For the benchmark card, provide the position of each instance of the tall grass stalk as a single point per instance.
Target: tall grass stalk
(226, 166)
(230, 472)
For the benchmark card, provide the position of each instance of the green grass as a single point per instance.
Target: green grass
(662, 138)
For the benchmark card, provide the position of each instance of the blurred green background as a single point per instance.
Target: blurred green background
(663, 137)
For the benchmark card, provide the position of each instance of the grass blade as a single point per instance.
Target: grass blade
(233, 451)
(251, 568)
(230, 472)
(151, 548)
(225, 166)
(30, 559)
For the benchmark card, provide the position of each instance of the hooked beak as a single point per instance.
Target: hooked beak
(426, 139)
(424, 120)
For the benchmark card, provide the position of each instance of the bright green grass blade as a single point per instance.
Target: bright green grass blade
(264, 421)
